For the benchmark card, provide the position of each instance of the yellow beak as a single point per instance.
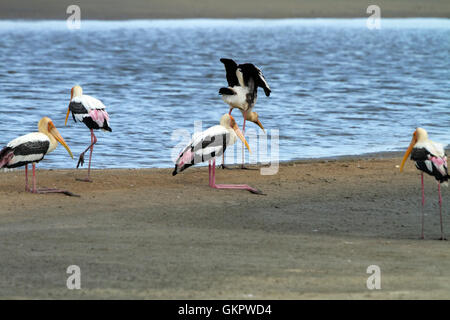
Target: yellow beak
(67, 116)
(55, 133)
(260, 125)
(408, 152)
(241, 136)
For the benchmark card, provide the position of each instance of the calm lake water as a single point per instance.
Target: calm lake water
(338, 88)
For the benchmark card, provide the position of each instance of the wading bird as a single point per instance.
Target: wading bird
(430, 158)
(242, 91)
(92, 113)
(212, 143)
(31, 148)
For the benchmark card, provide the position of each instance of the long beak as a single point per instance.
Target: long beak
(67, 116)
(260, 125)
(54, 132)
(408, 152)
(241, 136)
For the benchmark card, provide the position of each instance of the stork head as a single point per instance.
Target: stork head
(253, 117)
(76, 91)
(228, 122)
(47, 127)
(419, 134)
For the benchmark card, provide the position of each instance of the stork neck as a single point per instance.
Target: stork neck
(53, 142)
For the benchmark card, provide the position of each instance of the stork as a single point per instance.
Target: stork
(242, 92)
(209, 144)
(31, 148)
(430, 158)
(92, 113)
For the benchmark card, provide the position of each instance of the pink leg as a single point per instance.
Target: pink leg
(209, 170)
(81, 159)
(423, 204)
(34, 177)
(47, 190)
(228, 186)
(26, 177)
(243, 147)
(440, 211)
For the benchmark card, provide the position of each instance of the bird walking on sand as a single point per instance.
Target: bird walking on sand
(209, 144)
(242, 92)
(92, 113)
(31, 148)
(430, 158)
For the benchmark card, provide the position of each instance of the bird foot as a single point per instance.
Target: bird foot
(84, 180)
(224, 167)
(257, 191)
(50, 190)
(242, 167)
(80, 160)
(443, 238)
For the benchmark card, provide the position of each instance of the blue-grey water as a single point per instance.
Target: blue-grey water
(338, 88)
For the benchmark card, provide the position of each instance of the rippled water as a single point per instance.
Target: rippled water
(337, 87)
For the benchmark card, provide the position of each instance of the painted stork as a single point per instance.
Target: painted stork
(242, 91)
(209, 144)
(31, 148)
(430, 158)
(92, 113)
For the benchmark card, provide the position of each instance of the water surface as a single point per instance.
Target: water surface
(338, 88)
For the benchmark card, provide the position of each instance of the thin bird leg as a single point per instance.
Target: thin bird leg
(47, 190)
(34, 177)
(223, 155)
(440, 211)
(423, 204)
(209, 170)
(26, 178)
(81, 159)
(243, 147)
(229, 186)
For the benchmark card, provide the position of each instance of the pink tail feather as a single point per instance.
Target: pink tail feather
(5, 156)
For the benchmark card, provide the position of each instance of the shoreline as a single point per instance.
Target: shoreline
(363, 156)
(142, 9)
(143, 234)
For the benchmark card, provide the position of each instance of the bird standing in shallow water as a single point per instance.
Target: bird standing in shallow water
(430, 158)
(209, 144)
(242, 92)
(31, 148)
(92, 113)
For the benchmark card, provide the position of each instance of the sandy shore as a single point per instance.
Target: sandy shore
(146, 234)
(146, 9)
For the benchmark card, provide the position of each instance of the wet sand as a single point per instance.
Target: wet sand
(155, 9)
(146, 234)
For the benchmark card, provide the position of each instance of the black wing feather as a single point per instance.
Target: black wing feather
(230, 68)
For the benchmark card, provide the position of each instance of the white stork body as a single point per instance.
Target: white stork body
(91, 111)
(243, 82)
(207, 145)
(430, 158)
(29, 148)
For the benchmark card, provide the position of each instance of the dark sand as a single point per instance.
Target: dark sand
(146, 9)
(146, 234)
